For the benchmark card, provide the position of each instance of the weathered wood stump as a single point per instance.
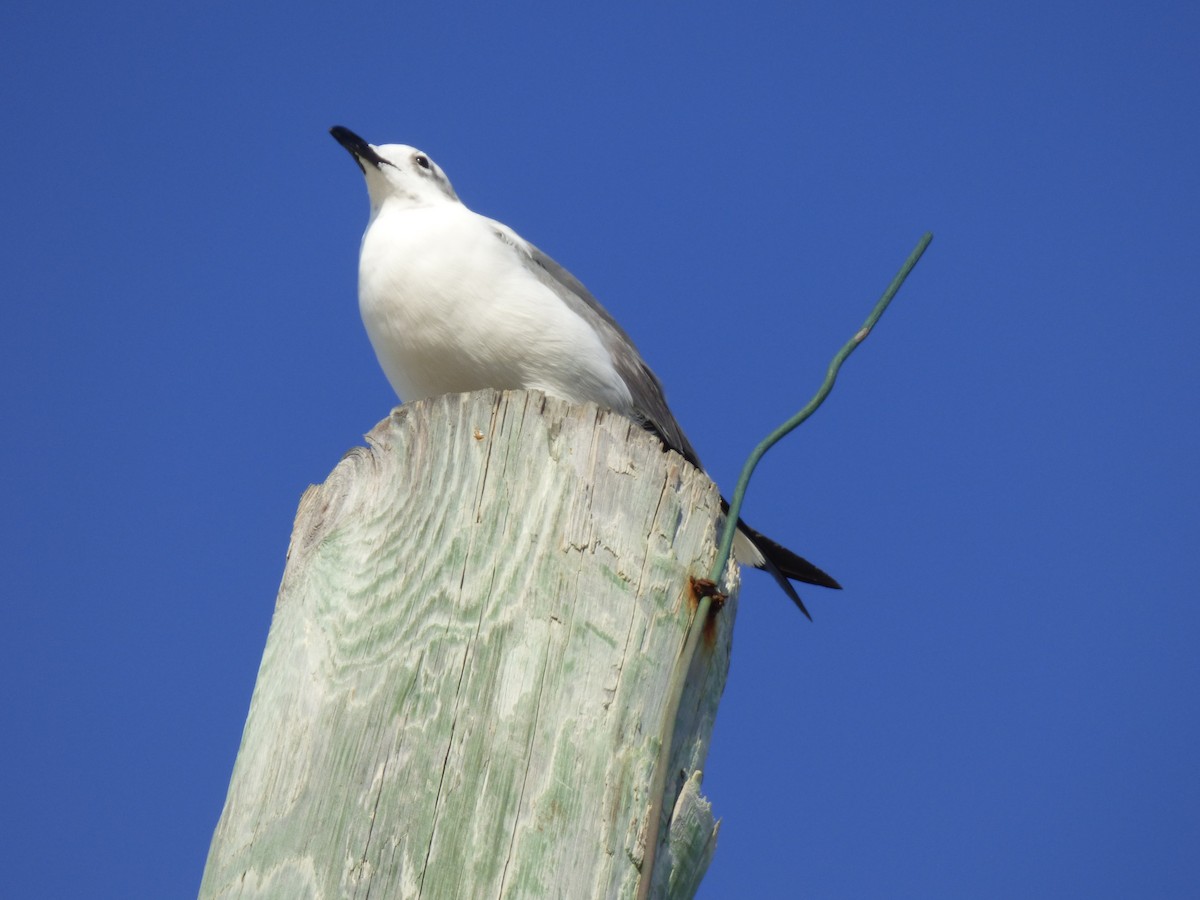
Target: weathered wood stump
(462, 688)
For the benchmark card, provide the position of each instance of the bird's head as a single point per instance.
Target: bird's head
(397, 172)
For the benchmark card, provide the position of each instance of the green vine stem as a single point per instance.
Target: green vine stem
(683, 662)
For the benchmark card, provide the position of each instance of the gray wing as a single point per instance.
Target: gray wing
(650, 408)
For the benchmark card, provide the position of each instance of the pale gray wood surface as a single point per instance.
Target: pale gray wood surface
(462, 687)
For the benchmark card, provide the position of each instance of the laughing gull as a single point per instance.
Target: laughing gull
(455, 302)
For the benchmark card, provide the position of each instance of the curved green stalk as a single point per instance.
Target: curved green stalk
(684, 661)
(739, 492)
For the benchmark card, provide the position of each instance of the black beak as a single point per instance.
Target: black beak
(359, 149)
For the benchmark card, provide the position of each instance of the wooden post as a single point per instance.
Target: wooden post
(462, 688)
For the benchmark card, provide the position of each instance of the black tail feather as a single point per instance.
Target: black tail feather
(783, 564)
(789, 564)
(782, 581)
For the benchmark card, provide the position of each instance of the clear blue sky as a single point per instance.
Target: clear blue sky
(1003, 701)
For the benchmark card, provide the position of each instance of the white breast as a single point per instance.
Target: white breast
(450, 307)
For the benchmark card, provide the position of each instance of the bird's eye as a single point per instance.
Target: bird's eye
(421, 160)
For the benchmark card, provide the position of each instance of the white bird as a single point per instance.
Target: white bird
(454, 302)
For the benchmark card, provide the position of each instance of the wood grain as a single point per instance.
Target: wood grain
(462, 687)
